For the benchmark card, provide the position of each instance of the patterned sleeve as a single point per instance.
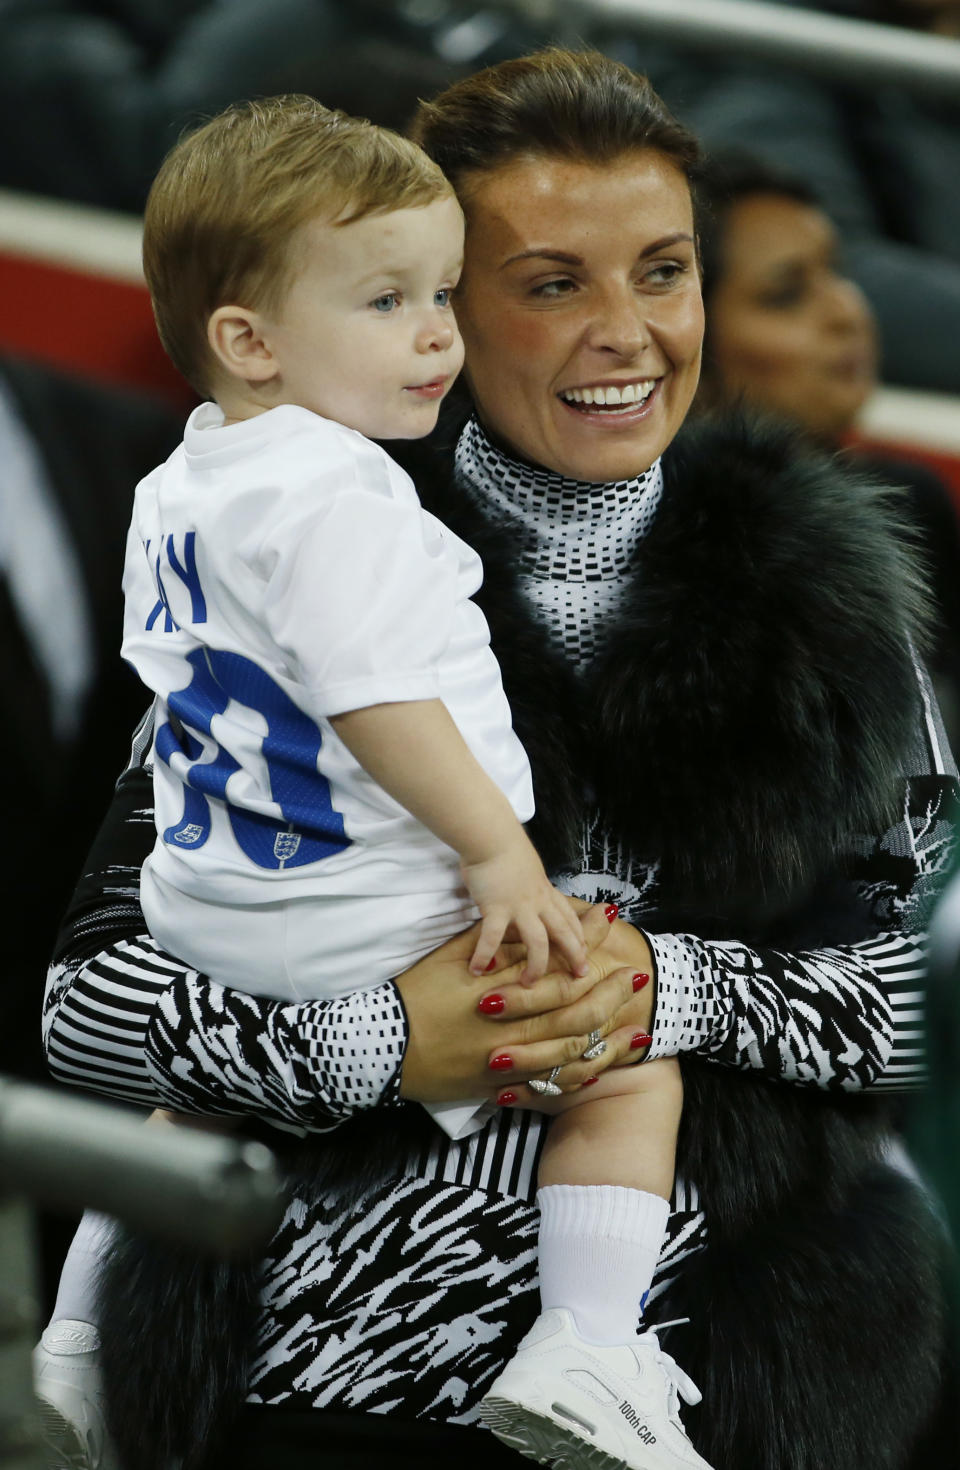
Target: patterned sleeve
(123, 1018)
(840, 1018)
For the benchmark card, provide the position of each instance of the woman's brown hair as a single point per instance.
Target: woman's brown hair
(555, 103)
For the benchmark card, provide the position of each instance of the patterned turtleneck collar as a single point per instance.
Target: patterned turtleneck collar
(575, 539)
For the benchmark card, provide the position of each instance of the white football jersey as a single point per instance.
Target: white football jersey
(280, 571)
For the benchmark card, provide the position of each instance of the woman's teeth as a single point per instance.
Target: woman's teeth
(612, 397)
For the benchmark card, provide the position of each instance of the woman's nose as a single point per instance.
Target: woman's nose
(619, 324)
(846, 306)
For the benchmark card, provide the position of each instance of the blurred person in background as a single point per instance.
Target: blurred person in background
(790, 333)
(71, 453)
(882, 160)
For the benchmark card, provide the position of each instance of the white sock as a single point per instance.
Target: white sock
(77, 1292)
(599, 1246)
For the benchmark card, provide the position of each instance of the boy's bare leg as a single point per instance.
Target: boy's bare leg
(621, 1130)
(606, 1176)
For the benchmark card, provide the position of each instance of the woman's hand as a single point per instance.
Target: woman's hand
(625, 957)
(522, 1032)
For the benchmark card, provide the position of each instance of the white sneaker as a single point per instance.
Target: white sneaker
(571, 1404)
(68, 1384)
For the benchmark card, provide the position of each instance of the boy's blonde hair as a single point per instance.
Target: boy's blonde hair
(229, 196)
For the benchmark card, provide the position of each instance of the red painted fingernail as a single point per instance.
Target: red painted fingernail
(492, 966)
(640, 1038)
(590, 1081)
(501, 1062)
(639, 981)
(491, 1005)
(506, 1099)
(611, 910)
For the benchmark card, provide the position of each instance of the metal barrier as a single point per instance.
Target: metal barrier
(216, 1194)
(853, 50)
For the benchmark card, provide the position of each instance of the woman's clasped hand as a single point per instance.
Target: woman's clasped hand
(468, 1040)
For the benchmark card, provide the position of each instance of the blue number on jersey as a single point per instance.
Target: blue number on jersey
(313, 830)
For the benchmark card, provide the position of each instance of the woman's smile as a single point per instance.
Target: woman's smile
(581, 312)
(613, 403)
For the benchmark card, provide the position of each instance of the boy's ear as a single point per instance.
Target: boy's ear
(236, 340)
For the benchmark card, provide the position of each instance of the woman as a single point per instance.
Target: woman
(715, 750)
(790, 334)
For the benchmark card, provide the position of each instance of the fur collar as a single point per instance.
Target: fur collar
(751, 710)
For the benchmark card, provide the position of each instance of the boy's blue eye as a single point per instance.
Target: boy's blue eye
(442, 297)
(384, 304)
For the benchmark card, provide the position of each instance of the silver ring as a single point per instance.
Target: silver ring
(595, 1049)
(547, 1088)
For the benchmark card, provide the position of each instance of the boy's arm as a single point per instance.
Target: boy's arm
(416, 753)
